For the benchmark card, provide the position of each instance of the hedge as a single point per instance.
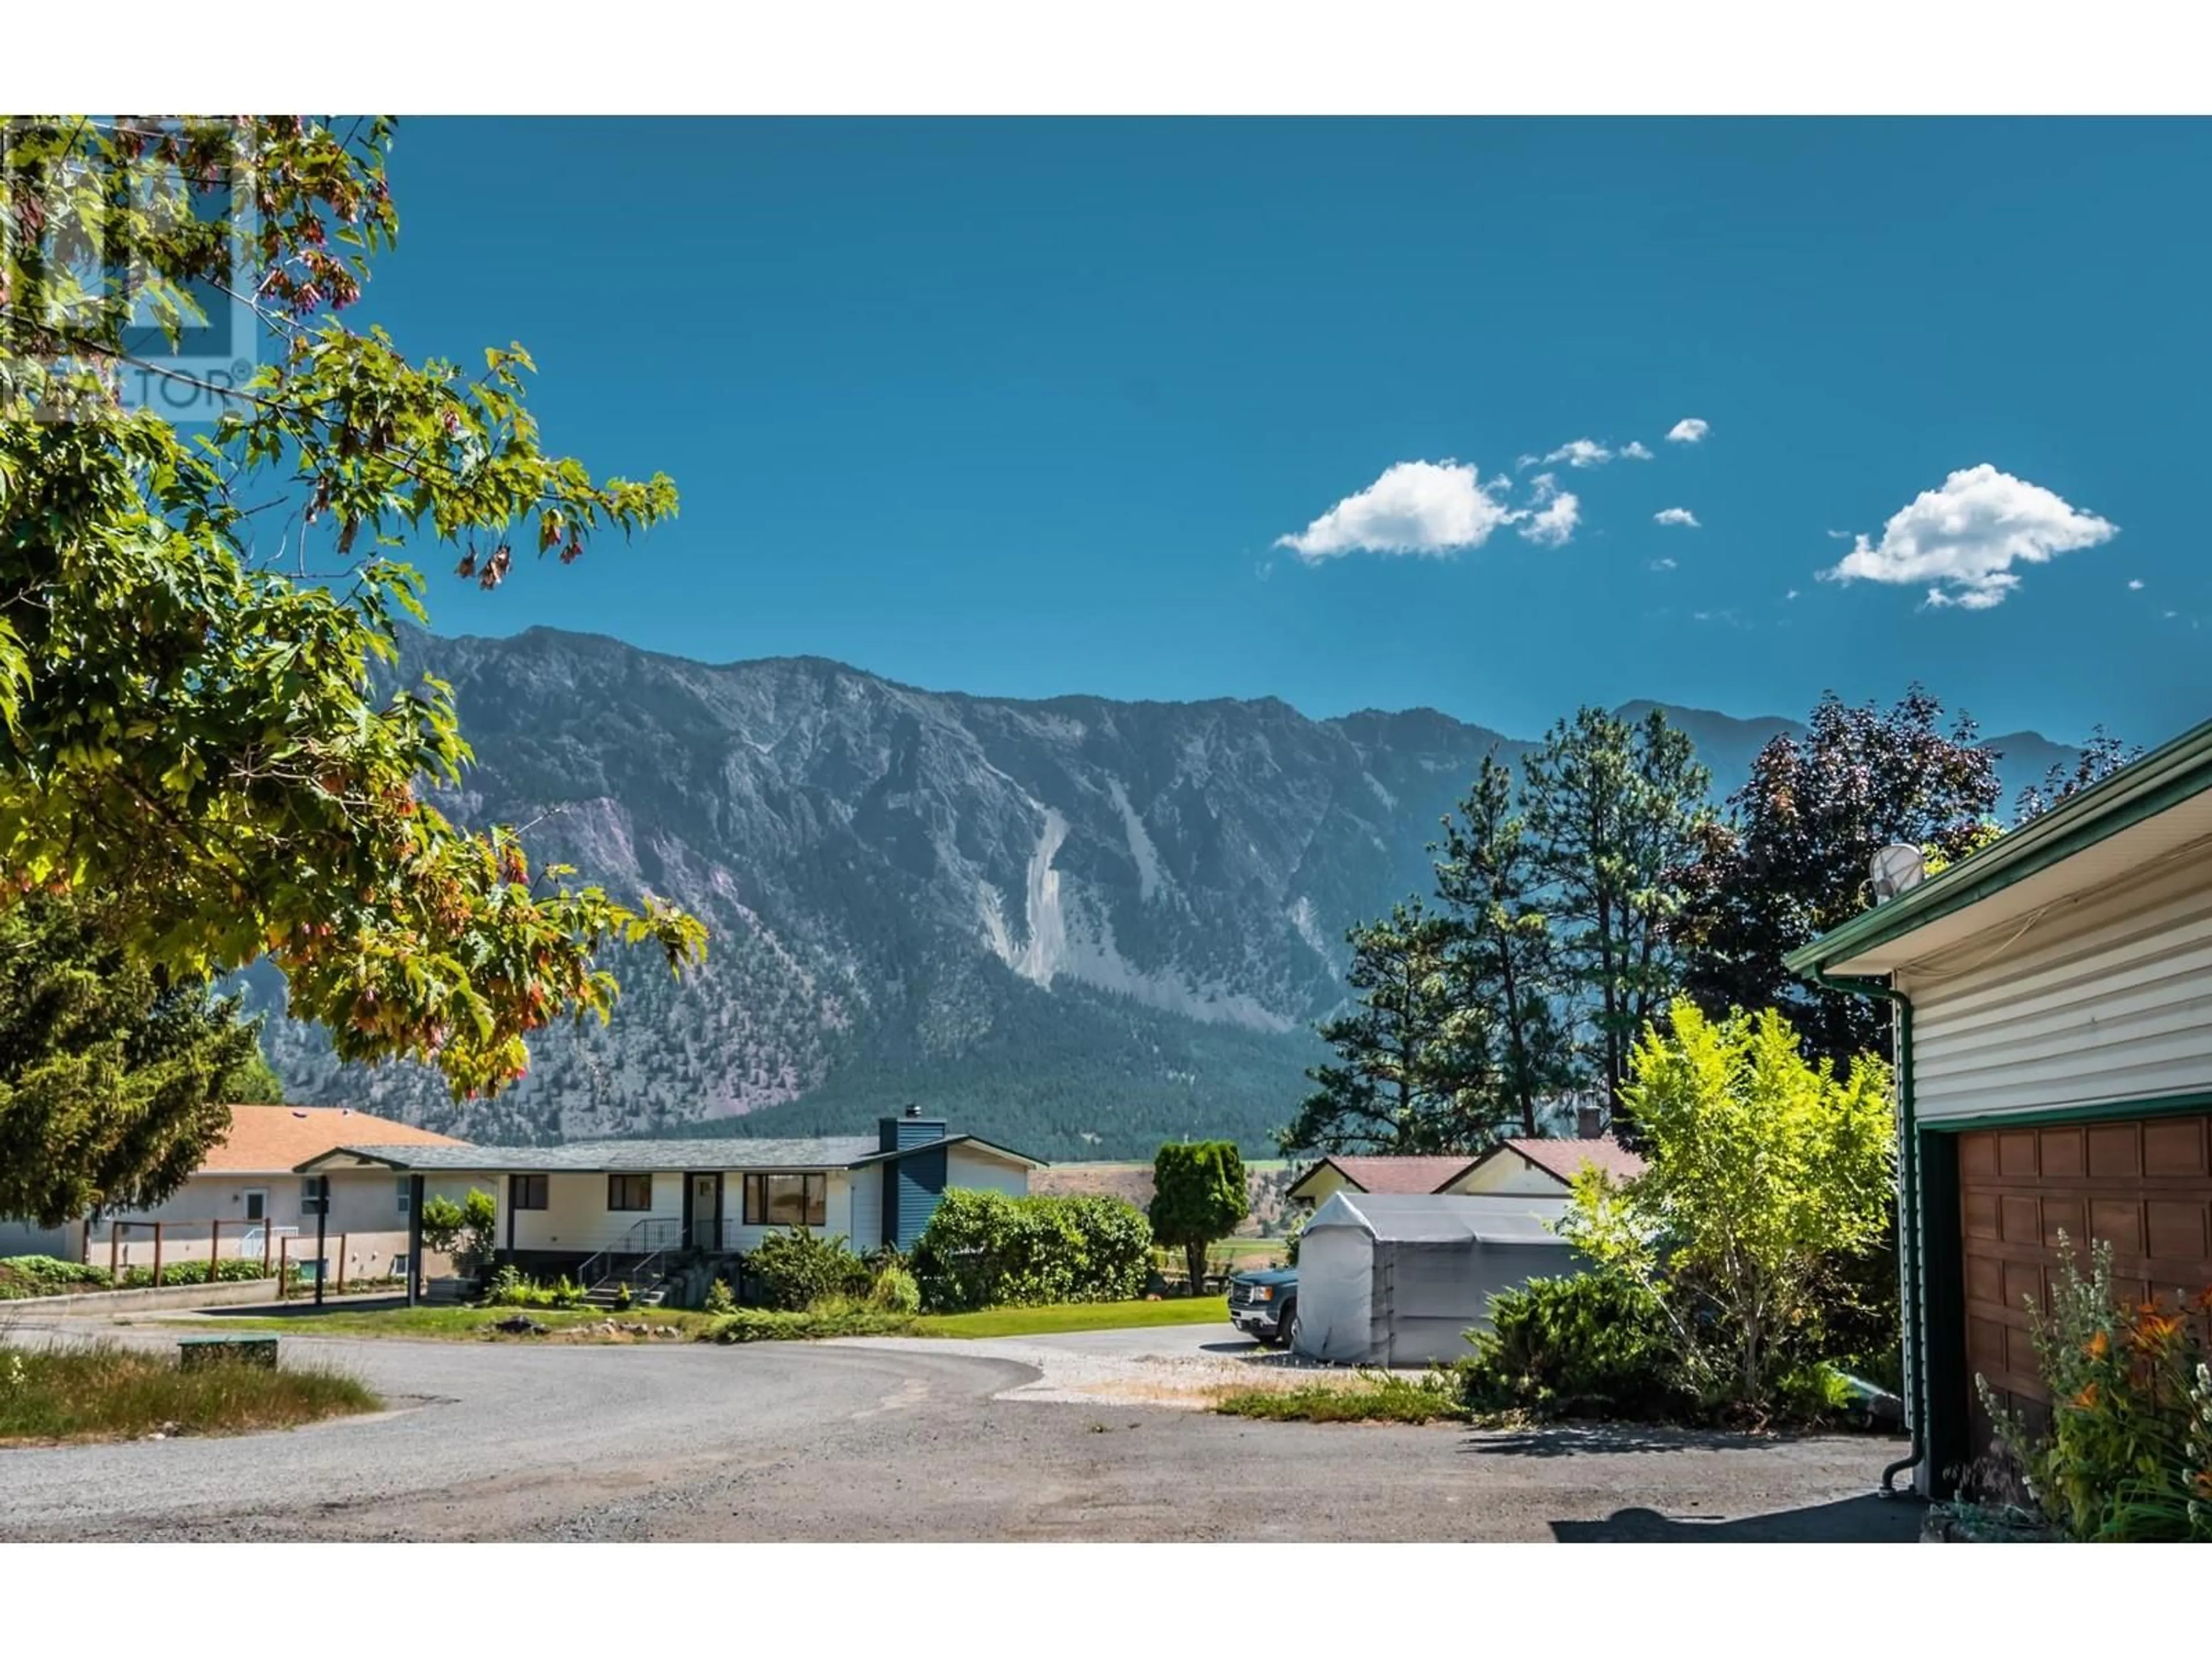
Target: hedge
(985, 1249)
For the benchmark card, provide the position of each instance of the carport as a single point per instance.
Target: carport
(1400, 1279)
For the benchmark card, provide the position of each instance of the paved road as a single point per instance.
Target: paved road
(873, 1441)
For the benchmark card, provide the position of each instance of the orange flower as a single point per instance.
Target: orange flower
(2097, 1345)
(2086, 1399)
(2202, 1300)
(2153, 1328)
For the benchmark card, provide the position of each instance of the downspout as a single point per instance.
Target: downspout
(1908, 1214)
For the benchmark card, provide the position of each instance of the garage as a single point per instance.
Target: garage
(2052, 1001)
(2143, 1185)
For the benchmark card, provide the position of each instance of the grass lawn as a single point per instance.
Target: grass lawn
(447, 1323)
(103, 1391)
(1364, 1397)
(1076, 1316)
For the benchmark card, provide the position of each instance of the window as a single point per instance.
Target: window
(256, 1204)
(406, 1192)
(629, 1191)
(400, 1264)
(786, 1200)
(311, 1196)
(530, 1192)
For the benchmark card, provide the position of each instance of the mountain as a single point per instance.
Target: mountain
(1076, 925)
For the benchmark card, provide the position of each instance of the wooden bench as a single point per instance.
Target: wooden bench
(194, 1351)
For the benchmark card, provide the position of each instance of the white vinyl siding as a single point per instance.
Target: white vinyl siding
(966, 1167)
(2107, 999)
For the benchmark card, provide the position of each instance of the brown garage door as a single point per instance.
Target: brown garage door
(2145, 1184)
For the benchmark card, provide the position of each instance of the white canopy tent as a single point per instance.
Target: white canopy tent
(1393, 1280)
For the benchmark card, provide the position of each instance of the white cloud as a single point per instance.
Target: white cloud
(1551, 523)
(1964, 538)
(2135, 586)
(1662, 564)
(1688, 430)
(1841, 536)
(1580, 452)
(1526, 462)
(1415, 506)
(1635, 450)
(1681, 515)
(1791, 594)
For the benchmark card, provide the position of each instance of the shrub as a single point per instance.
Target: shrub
(1597, 1345)
(719, 1299)
(231, 1271)
(985, 1249)
(833, 1317)
(2129, 1455)
(895, 1291)
(467, 1231)
(510, 1287)
(789, 1271)
(1199, 1195)
(24, 1276)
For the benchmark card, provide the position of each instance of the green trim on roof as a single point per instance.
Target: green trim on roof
(2188, 1105)
(2162, 779)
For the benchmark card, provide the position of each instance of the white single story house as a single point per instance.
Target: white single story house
(248, 1200)
(561, 1206)
(2052, 999)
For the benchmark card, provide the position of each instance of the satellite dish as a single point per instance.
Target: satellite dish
(1897, 869)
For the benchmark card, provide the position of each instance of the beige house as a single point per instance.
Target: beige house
(247, 1200)
(1538, 1167)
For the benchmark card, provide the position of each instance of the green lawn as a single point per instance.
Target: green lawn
(1076, 1316)
(437, 1324)
(450, 1324)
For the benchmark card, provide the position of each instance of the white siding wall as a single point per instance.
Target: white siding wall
(865, 1205)
(576, 1216)
(966, 1167)
(2109, 999)
(1510, 1174)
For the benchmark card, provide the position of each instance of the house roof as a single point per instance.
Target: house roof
(1389, 1175)
(1565, 1156)
(2019, 871)
(620, 1157)
(1443, 1218)
(277, 1140)
(977, 1141)
(639, 1156)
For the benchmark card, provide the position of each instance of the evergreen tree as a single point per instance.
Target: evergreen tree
(113, 1085)
(1415, 1073)
(1616, 810)
(1504, 957)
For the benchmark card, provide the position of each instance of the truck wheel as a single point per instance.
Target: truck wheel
(1286, 1328)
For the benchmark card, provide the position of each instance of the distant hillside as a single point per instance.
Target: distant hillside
(1077, 924)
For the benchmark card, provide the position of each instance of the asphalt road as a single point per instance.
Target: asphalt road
(889, 1441)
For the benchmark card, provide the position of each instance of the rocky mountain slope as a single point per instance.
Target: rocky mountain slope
(1077, 924)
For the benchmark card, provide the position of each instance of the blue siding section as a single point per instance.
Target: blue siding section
(913, 1186)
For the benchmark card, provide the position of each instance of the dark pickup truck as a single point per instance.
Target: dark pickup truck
(1265, 1304)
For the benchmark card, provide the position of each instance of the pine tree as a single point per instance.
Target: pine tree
(113, 1085)
(1617, 810)
(1504, 955)
(1415, 1073)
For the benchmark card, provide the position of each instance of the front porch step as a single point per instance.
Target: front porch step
(608, 1296)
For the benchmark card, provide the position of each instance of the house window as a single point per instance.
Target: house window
(786, 1200)
(400, 1264)
(629, 1191)
(530, 1192)
(256, 1204)
(406, 1184)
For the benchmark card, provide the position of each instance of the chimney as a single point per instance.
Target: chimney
(1590, 1121)
(909, 1128)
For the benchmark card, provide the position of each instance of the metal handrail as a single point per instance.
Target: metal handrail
(602, 1260)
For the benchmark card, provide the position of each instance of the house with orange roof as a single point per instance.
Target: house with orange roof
(247, 1200)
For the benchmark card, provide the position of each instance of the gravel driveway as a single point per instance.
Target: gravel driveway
(1008, 1438)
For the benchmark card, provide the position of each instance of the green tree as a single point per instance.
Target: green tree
(1504, 957)
(468, 1232)
(113, 1085)
(1761, 1170)
(189, 630)
(252, 1082)
(1616, 810)
(1415, 1073)
(1197, 1196)
(2102, 756)
(1791, 861)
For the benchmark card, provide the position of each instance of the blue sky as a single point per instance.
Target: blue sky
(1032, 408)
